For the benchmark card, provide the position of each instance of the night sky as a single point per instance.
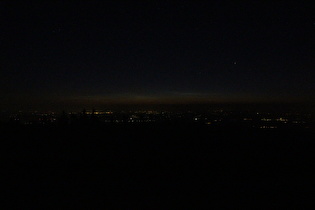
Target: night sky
(96, 53)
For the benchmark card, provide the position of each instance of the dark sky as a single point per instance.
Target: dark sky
(90, 52)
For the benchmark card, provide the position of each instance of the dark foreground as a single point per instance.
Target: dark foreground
(149, 166)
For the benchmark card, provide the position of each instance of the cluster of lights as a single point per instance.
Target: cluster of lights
(282, 119)
(267, 127)
(266, 119)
